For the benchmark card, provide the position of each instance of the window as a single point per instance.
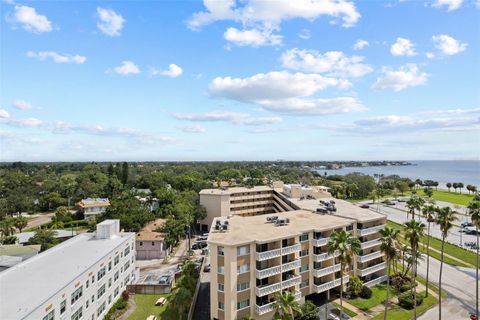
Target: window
(116, 260)
(243, 304)
(101, 291)
(220, 251)
(243, 250)
(221, 287)
(127, 280)
(77, 315)
(304, 268)
(141, 243)
(101, 309)
(127, 251)
(109, 299)
(87, 283)
(125, 267)
(243, 268)
(221, 305)
(86, 304)
(304, 283)
(303, 237)
(243, 286)
(109, 265)
(77, 294)
(109, 282)
(93, 278)
(115, 292)
(50, 315)
(101, 273)
(304, 253)
(153, 243)
(93, 298)
(221, 269)
(115, 276)
(63, 306)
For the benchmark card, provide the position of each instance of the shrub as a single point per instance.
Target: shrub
(125, 295)
(406, 300)
(356, 285)
(366, 292)
(117, 309)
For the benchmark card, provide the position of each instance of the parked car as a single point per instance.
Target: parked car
(466, 224)
(364, 206)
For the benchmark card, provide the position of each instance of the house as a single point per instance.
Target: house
(150, 243)
(92, 207)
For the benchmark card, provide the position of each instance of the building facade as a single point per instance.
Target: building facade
(149, 243)
(80, 278)
(92, 207)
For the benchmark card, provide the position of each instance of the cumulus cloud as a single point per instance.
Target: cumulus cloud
(403, 47)
(451, 111)
(110, 22)
(192, 128)
(57, 57)
(27, 122)
(406, 76)
(4, 114)
(252, 37)
(31, 20)
(448, 45)
(237, 118)
(360, 44)
(305, 107)
(334, 63)
(22, 104)
(127, 68)
(450, 4)
(305, 34)
(430, 55)
(173, 71)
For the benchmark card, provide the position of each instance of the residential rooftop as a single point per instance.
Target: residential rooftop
(243, 230)
(148, 232)
(232, 190)
(94, 202)
(27, 285)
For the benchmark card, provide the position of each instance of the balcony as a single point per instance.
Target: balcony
(370, 256)
(371, 243)
(291, 249)
(265, 308)
(376, 281)
(265, 273)
(291, 265)
(328, 270)
(370, 270)
(268, 289)
(371, 230)
(330, 285)
(324, 256)
(291, 282)
(320, 242)
(265, 255)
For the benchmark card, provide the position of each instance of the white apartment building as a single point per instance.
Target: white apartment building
(80, 278)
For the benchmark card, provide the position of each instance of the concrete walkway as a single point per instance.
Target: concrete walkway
(130, 308)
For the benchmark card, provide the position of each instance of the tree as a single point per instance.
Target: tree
(355, 285)
(455, 186)
(449, 185)
(429, 213)
(460, 186)
(474, 212)
(414, 203)
(402, 186)
(389, 246)
(428, 192)
(309, 311)
(8, 240)
(45, 238)
(180, 300)
(286, 306)
(125, 173)
(7, 227)
(445, 218)
(347, 246)
(20, 222)
(414, 231)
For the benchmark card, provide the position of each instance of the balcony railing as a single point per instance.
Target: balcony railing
(375, 268)
(291, 265)
(298, 295)
(370, 256)
(376, 281)
(328, 270)
(265, 255)
(268, 289)
(330, 285)
(265, 308)
(324, 256)
(320, 242)
(291, 249)
(371, 230)
(265, 273)
(371, 243)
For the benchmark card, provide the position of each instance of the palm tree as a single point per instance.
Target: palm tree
(7, 227)
(414, 231)
(474, 211)
(286, 306)
(346, 246)
(180, 300)
(20, 222)
(429, 213)
(389, 246)
(445, 218)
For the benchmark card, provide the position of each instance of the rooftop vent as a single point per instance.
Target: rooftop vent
(282, 221)
(272, 218)
(108, 229)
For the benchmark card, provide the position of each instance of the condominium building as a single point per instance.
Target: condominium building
(80, 278)
(255, 256)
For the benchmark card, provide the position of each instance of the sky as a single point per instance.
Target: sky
(239, 80)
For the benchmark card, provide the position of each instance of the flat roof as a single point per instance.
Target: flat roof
(344, 209)
(256, 228)
(29, 284)
(233, 190)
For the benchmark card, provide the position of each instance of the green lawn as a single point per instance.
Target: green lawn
(146, 306)
(379, 294)
(397, 313)
(452, 197)
(349, 312)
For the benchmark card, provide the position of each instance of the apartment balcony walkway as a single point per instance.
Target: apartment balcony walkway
(371, 230)
(320, 242)
(328, 270)
(330, 285)
(376, 281)
(370, 256)
(371, 243)
(372, 269)
(271, 288)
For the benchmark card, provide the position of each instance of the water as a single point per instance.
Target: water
(467, 172)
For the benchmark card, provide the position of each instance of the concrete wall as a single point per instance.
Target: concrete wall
(217, 205)
(147, 250)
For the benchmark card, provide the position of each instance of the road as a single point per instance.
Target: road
(39, 220)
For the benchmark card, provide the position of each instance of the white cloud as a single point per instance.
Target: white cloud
(450, 4)
(334, 63)
(28, 122)
(192, 129)
(57, 57)
(451, 111)
(31, 20)
(172, 72)
(403, 47)
(360, 44)
(430, 55)
(395, 122)
(111, 23)
(252, 37)
(448, 45)
(22, 104)
(237, 118)
(127, 68)
(4, 114)
(406, 76)
(304, 107)
(305, 34)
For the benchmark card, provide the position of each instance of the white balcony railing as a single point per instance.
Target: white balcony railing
(291, 249)
(370, 256)
(330, 285)
(268, 289)
(371, 230)
(265, 273)
(320, 242)
(265, 308)
(376, 281)
(371, 243)
(298, 295)
(260, 256)
(291, 265)
(328, 270)
(375, 268)
(324, 256)
(291, 282)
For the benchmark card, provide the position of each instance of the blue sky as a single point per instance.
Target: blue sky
(245, 80)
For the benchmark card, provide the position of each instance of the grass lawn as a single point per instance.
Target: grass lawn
(452, 197)
(146, 306)
(397, 313)
(379, 294)
(349, 312)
